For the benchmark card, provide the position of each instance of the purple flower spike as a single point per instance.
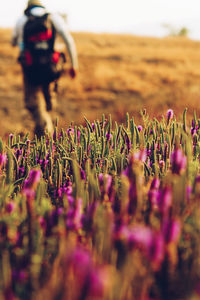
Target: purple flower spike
(83, 174)
(30, 184)
(178, 161)
(74, 216)
(70, 131)
(10, 207)
(170, 115)
(140, 155)
(161, 164)
(152, 197)
(108, 136)
(97, 282)
(140, 237)
(171, 231)
(132, 205)
(156, 251)
(152, 243)
(3, 158)
(80, 261)
(164, 200)
(155, 184)
(188, 193)
(33, 179)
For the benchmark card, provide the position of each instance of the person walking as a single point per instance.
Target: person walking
(35, 33)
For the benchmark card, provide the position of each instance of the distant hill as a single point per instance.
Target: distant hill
(118, 73)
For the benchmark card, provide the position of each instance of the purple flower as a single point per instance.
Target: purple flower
(54, 217)
(70, 131)
(83, 174)
(155, 183)
(11, 138)
(197, 289)
(8, 294)
(170, 115)
(105, 183)
(161, 165)
(74, 216)
(164, 200)
(98, 279)
(89, 278)
(132, 205)
(32, 181)
(30, 184)
(178, 161)
(140, 236)
(18, 153)
(188, 193)
(42, 222)
(156, 250)
(151, 242)
(139, 128)
(140, 155)
(171, 231)
(43, 163)
(10, 206)
(3, 158)
(193, 130)
(108, 136)
(19, 276)
(149, 153)
(28, 145)
(88, 217)
(152, 198)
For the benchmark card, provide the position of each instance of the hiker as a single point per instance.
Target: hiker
(35, 34)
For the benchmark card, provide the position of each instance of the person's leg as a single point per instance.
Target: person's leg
(35, 103)
(49, 91)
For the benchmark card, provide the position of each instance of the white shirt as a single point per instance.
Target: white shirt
(60, 26)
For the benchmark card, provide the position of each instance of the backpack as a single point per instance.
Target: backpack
(40, 62)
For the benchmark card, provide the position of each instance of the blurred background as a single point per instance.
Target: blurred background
(149, 18)
(132, 55)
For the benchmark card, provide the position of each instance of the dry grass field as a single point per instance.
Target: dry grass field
(118, 74)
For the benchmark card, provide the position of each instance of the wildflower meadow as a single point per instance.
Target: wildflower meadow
(102, 211)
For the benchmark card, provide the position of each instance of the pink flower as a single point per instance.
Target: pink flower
(139, 128)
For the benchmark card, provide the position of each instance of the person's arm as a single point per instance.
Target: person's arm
(62, 29)
(17, 34)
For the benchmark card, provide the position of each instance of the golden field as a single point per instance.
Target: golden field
(118, 74)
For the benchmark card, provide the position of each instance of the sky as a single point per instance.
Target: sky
(139, 17)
